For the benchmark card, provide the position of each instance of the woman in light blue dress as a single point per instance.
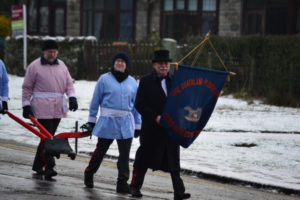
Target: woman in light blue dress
(114, 94)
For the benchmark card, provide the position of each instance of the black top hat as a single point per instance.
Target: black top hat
(161, 55)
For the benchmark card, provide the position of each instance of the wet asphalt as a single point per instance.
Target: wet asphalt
(18, 181)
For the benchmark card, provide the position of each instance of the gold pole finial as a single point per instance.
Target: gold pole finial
(176, 65)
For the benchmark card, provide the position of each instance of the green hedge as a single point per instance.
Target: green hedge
(267, 67)
(71, 51)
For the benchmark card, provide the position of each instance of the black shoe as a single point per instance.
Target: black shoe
(49, 173)
(123, 188)
(136, 193)
(183, 196)
(88, 180)
(39, 172)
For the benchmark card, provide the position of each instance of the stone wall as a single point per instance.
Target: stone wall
(141, 20)
(155, 17)
(230, 18)
(73, 17)
(142, 15)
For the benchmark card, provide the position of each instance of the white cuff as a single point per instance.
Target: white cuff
(92, 119)
(71, 95)
(25, 103)
(4, 99)
(138, 126)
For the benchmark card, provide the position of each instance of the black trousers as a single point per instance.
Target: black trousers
(41, 159)
(138, 176)
(124, 146)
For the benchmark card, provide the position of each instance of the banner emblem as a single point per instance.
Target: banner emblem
(193, 115)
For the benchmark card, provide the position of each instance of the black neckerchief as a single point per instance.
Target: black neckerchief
(46, 62)
(120, 76)
(160, 78)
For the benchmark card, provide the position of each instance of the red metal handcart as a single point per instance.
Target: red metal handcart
(54, 145)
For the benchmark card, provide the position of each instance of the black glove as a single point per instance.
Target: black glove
(89, 126)
(137, 133)
(73, 104)
(27, 111)
(4, 108)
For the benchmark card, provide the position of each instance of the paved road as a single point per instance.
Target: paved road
(18, 182)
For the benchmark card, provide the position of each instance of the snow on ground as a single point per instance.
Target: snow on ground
(274, 160)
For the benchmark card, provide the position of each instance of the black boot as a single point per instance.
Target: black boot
(136, 193)
(183, 196)
(88, 180)
(49, 173)
(123, 188)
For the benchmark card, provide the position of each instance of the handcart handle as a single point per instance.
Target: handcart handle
(24, 124)
(73, 134)
(40, 127)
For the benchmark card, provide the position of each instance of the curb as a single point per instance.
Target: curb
(234, 181)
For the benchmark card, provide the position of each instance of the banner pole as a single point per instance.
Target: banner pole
(24, 38)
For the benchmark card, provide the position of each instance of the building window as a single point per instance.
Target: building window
(298, 17)
(47, 17)
(181, 18)
(108, 19)
(271, 17)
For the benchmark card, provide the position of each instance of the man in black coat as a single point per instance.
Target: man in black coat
(157, 150)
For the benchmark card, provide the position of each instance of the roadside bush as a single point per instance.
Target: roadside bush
(4, 26)
(4, 31)
(70, 51)
(267, 67)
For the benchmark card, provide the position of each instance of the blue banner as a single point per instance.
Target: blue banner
(191, 101)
